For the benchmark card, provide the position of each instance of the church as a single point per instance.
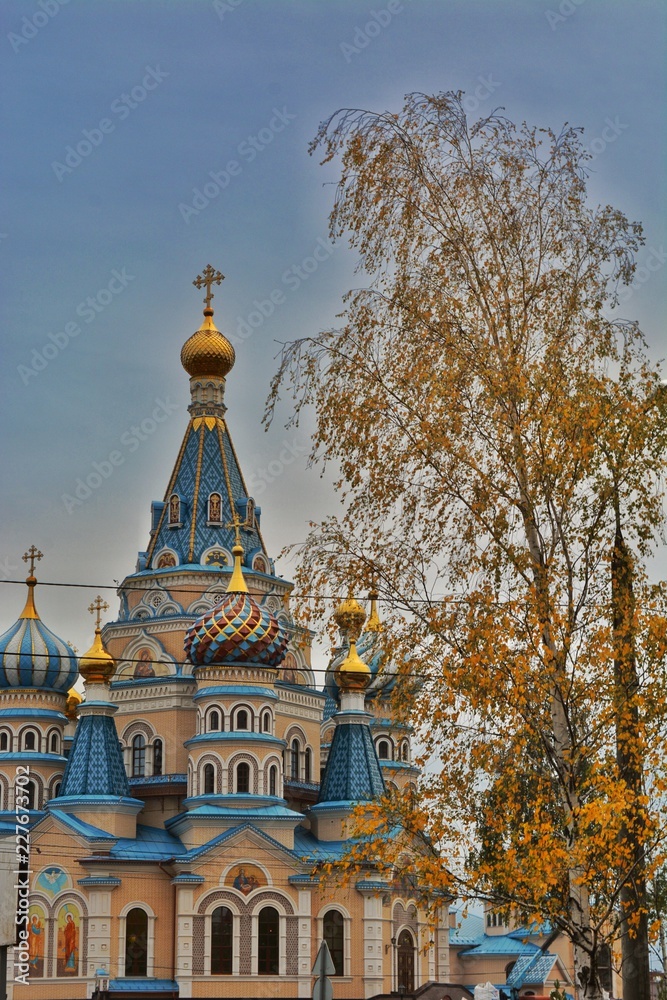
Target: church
(179, 810)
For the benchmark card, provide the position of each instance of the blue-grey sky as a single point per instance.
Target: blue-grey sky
(118, 113)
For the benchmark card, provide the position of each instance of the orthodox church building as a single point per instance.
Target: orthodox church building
(179, 810)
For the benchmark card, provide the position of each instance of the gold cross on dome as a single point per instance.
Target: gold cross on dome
(208, 277)
(34, 555)
(97, 607)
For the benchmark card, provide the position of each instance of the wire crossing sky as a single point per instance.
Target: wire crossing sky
(145, 140)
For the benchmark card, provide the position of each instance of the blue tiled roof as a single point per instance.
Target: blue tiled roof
(143, 985)
(241, 690)
(95, 763)
(531, 969)
(500, 944)
(82, 828)
(352, 770)
(272, 812)
(32, 713)
(469, 929)
(152, 843)
(237, 734)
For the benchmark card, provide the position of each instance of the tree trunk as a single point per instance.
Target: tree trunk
(635, 968)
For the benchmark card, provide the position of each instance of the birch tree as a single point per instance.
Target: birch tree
(500, 441)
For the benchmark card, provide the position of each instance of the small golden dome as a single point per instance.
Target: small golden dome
(353, 674)
(350, 617)
(97, 666)
(208, 353)
(74, 699)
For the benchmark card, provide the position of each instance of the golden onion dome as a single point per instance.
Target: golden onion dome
(208, 353)
(74, 699)
(97, 666)
(350, 617)
(353, 674)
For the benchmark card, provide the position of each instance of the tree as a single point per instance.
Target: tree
(495, 427)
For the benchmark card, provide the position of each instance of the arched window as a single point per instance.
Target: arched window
(214, 721)
(241, 719)
(406, 962)
(139, 756)
(215, 508)
(174, 509)
(136, 943)
(268, 942)
(604, 967)
(157, 757)
(209, 779)
(29, 740)
(405, 751)
(384, 750)
(31, 792)
(243, 778)
(266, 722)
(54, 746)
(294, 763)
(56, 791)
(308, 764)
(273, 780)
(222, 927)
(4, 742)
(333, 934)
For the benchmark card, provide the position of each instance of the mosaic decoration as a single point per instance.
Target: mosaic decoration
(36, 936)
(67, 955)
(245, 878)
(52, 881)
(238, 630)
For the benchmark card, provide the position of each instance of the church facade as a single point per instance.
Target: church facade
(180, 809)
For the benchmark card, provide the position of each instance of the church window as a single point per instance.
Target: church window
(268, 942)
(214, 721)
(273, 780)
(242, 719)
(56, 790)
(250, 514)
(294, 763)
(136, 942)
(31, 793)
(604, 967)
(383, 750)
(4, 742)
(266, 722)
(138, 756)
(243, 779)
(405, 751)
(174, 509)
(157, 757)
(333, 934)
(29, 740)
(308, 764)
(209, 779)
(54, 743)
(215, 508)
(222, 925)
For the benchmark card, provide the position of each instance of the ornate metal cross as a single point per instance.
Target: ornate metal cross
(33, 555)
(208, 277)
(97, 607)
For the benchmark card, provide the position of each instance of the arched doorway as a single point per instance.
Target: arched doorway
(406, 963)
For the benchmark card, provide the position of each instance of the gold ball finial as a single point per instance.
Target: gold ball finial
(353, 674)
(74, 699)
(208, 353)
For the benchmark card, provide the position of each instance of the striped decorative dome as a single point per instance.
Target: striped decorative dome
(31, 656)
(238, 630)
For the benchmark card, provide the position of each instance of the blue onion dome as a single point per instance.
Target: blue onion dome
(370, 650)
(238, 630)
(31, 656)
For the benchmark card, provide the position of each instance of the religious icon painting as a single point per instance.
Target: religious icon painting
(144, 666)
(36, 933)
(69, 924)
(52, 880)
(245, 878)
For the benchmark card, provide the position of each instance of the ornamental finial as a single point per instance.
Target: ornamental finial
(34, 555)
(96, 608)
(208, 277)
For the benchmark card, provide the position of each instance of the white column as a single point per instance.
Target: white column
(99, 931)
(184, 926)
(305, 984)
(442, 946)
(372, 945)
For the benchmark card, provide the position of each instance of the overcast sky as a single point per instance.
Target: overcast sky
(144, 140)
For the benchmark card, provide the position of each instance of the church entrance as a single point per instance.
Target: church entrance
(406, 963)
